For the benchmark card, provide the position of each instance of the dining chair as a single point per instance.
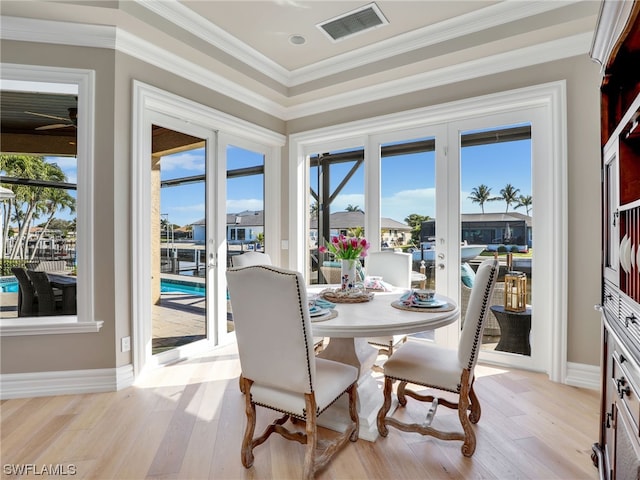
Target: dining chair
(449, 370)
(27, 300)
(394, 268)
(280, 370)
(49, 301)
(251, 258)
(248, 259)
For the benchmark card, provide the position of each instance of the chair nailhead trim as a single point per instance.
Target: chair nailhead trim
(483, 317)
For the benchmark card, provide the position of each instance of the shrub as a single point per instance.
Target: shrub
(502, 249)
(515, 249)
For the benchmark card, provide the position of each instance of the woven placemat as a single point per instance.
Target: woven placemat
(340, 297)
(399, 304)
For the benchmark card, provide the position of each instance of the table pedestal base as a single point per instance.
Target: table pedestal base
(356, 352)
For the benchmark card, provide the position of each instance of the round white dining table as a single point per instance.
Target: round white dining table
(348, 332)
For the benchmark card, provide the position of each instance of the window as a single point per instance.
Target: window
(60, 184)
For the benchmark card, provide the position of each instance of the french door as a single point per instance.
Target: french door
(432, 179)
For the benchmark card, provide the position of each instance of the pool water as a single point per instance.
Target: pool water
(10, 285)
(170, 286)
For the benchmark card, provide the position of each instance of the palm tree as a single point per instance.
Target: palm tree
(351, 208)
(30, 200)
(509, 194)
(57, 199)
(481, 194)
(415, 220)
(524, 201)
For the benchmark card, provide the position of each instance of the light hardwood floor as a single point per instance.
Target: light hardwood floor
(186, 421)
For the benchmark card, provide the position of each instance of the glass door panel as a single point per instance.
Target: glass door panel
(408, 204)
(496, 216)
(179, 232)
(245, 201)
(336, 199)
(245, 206)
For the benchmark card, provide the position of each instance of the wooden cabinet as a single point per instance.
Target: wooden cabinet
(617, 47)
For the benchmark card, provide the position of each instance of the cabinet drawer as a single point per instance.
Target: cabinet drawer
(625, 383)
(611, 300)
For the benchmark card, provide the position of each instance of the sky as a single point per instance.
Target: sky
(407, 184)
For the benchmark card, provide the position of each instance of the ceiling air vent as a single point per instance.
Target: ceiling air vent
(356, 21)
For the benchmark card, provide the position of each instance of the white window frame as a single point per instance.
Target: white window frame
(551, 217)
(84, 321)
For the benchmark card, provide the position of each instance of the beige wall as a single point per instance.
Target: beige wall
(115, 73)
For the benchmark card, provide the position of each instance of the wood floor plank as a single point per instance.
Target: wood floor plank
(186, 421)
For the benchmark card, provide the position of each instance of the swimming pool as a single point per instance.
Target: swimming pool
(10, 285)
(180, 286)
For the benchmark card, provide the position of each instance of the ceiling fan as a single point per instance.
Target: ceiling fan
(72, 121)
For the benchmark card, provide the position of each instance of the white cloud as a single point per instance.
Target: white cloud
(240, 205)
(185, 161)
(405, 202)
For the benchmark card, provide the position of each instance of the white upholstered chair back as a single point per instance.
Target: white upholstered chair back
(476, 314)
(270, 308)
(393, 267)
(247, 259)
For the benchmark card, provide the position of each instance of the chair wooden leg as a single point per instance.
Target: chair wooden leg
(312, 437)
(384, 409)
(353, 411)
(241, 382)
(469, 445)
(474, 409)
(402, 399)
(250, 410)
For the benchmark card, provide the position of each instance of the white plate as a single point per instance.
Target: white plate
(317, 312)
(638, 259)
(624, 254)
(633, 256)
(432, 304)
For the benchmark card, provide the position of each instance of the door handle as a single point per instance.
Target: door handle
(441, 266)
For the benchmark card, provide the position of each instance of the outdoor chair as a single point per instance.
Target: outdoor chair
(49, 301)
(250, 258)
(280, 370)
(435, 367)
(466, 284)
(394, 268)
(27, 300)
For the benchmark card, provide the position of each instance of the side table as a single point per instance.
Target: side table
(514, 330)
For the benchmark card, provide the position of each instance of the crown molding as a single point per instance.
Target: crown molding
(185, 18)
(161, 58)
(611, 22)
(22, 29)
(60, 33)
(489, 17)
(523, 57)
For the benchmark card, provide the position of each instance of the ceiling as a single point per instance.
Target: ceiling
(266, 26)
(244, 47)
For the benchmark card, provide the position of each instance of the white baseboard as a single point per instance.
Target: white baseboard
(67, 382)
(584, 376)
(42, 384)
